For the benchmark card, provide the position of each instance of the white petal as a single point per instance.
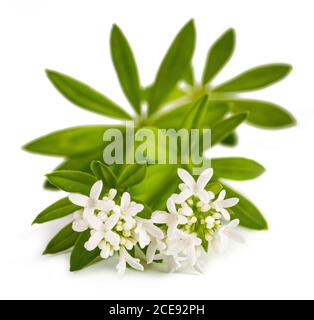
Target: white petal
(105, 252)
(134, 209)
(185, 210)
(78, 214)
(228, 203)
(150, 252)
(233, 224)
(171, 206)
(154, 231)
(235, 236)
(121, 266)
(93, 241)
(160, 217)
(182, 220)
(93, 221)
(78, 199)
(96, 190)
(183, 196)
(104, 205)
(125, 200)
(203, 196)
(225, 214)
(112, 193)
(134, 263)
(112, 221)
(143, 238)
(204, 178)
(79, 225)
(219, 244)
(186, 178)
(113, 238)
(221, 196)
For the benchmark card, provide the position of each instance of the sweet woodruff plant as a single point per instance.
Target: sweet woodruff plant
(157, 212)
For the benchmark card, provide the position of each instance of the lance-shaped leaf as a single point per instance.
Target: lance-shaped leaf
(173, 67)
(131, 175)
(85, 97)
(225, 127)
(236, 168)
(256, 78)
(248, 214)
(231, 140)
(125, 65)
(57, 210)
(104, 173)
(72, 181)
(80, 257)
(69, 142)
(263, 114)
(195, 116)
(189, 76)
(215, 111)
(218, 55)
(63, 240)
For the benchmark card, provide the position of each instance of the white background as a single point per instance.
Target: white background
(73, 37)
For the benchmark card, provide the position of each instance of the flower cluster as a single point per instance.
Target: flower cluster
(195, 218)
(113, 227)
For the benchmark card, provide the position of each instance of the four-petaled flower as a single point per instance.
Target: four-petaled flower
(221, 204)
(190, 187)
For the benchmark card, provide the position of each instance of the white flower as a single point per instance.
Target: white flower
(225, 233)
(174, 262)
(91, 203)
(146, 231)
(172, 218)
(103, 231)
(79, 223)
(186, 244)
(129, 208)
(221, 203)
(191, 187)
(126, 258)
(155, 244)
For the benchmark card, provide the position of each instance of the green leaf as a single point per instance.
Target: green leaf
(175, 94)
(125, 65)
(59, 209)
(69, 142)
(72, 181)
(85, 97)
(169, 119)
(236, 168)
(131, 175)
(263, 114)
(225, 127)
(80, 257)
(173, 67)
(216, 111)
(63, 240)
(256, 78)
(231, 140)
(104, 173)
(195, 116)
(189, 76)
(218, 55)
(160, 182)
(248, 214)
